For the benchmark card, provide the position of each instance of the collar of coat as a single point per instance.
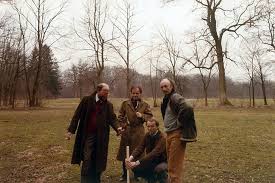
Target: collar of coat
(94, 98)
(140, 103)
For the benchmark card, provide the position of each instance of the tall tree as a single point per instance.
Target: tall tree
(154, 80)
(202, 60)
(92, 33)
(266, 28)
(49, 77)
(241, 16)
(252, 55)
(23, 27)
(41, 21)
(124, 43)
(171, 53)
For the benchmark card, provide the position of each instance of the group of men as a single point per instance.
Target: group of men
(151, 153)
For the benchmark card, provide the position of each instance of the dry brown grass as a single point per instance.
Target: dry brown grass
(235, 145)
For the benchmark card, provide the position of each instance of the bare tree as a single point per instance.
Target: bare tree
(171, 53)
(41, 23)
(23, 26)
(125, 43)
(154, 80)
(257, 63)
(9, 61)
(91, 32)
(242, 16)
(266, 28)
(261, 71)
(79, 78)
(252, 55)
(5, 34)
(202, 59)
(75, 80)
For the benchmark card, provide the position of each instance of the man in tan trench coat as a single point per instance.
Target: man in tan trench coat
(132, 114)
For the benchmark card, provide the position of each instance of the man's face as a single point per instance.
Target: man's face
(151, 127)
(166, 87)
(103, 93)
(135, 94)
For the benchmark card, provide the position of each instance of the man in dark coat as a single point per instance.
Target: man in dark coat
(92, 120)
(153, 166)
(132, 114)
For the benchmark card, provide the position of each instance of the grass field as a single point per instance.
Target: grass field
(235, 145)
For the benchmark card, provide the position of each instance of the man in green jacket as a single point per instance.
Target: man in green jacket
(179, 125)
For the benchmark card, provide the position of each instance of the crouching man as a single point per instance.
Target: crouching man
(152, 166)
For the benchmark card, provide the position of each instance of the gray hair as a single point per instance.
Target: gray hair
(100, 86)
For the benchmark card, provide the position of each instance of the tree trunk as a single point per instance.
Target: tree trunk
(99, 76)
(249, 92)
(27, 79)
(128, 81)
(263, 88)
(264, 93)
(15, 81)
(212, 24)
(153, 87)
(205, 96)
(155, 92)
(14, 97)
(5, 96)
(253, 92)
(80, 89)
(34, 98)
(222, 81)
(0, 94)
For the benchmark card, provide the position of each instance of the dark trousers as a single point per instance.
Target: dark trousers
(148, 172)
(88, 169)
(124, 170)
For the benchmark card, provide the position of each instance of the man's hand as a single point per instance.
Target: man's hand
(119, 131)
(139, 115)
(69, 135)
(130, 164)
(123, 125)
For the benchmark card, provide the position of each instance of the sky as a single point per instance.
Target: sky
(179, 17)
(151, 15)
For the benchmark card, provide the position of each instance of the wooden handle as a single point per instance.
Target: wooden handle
(128, 172)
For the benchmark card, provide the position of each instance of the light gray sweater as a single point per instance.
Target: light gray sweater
(170, 120)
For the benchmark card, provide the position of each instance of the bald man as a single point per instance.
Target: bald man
(179, 125)
(92, 120)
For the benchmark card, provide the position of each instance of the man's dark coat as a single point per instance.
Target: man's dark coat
(104, 120)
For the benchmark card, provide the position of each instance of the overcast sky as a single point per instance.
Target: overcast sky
(178, 16)
(151, 15)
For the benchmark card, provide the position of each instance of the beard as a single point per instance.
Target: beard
(135, 98)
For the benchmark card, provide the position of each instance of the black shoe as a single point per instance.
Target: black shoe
(137, 179)
(122, 178)
(162, 177)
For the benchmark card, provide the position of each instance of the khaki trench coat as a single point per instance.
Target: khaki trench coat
(134, 131)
